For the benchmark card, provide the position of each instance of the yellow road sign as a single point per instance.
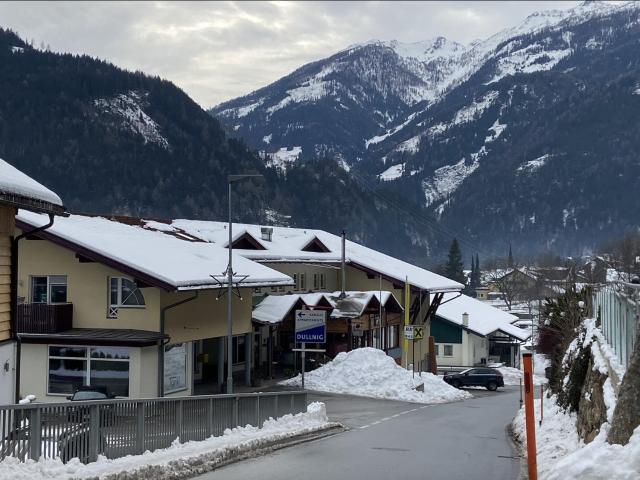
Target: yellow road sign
(418, 332)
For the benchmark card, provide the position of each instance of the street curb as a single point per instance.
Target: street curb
(195, 466)
(516, 446)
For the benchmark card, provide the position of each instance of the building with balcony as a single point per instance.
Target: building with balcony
(132, 309)
(17, 190)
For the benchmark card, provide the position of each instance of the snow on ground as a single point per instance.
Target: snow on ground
(392, 173)
(128, 107)
(562, 455)
(512, 376)
(180, 458)
(14, 182)
(369, 372)
(283, 157)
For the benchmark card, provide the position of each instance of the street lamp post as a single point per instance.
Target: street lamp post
(231, 179)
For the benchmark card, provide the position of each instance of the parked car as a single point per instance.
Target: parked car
(80, 414)
(489, 378)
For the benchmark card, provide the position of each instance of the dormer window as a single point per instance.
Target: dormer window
(315, 245)
(247, 242)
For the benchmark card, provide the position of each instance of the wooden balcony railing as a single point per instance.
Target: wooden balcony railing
(43, 318)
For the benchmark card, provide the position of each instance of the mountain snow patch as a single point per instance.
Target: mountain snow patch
(392, 173)
(447, 179)
(267, 138)
(369, 372)
(282, 158)
(470, 112)
(128, 108)
(533, 58)
(533, 165)
(496, 130)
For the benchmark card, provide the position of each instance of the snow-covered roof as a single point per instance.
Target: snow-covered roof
(15, 183)
(288, 245)
(168, 261)
(483, 318)
(274, 308)
(354, 304)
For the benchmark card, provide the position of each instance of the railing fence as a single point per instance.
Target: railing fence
(115, 428)
(618, 312)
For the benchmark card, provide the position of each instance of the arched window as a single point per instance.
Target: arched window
(124, 293)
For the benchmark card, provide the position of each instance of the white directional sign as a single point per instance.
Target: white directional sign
(408, 332)
(311, 326)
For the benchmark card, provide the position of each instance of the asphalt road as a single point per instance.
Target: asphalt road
(463, 440)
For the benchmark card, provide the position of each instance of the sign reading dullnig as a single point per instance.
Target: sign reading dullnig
(311, 326)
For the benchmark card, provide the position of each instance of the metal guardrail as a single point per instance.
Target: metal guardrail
(618, 310)
(115, 428)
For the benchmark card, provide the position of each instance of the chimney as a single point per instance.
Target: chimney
(267, 233)
(343, 265)
(465, 319)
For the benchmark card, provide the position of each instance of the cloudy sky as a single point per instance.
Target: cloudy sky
(220, 50)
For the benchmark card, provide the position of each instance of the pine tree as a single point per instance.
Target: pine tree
(454, 266)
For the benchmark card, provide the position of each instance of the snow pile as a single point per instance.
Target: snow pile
(181, 459)
(512, 376)
(14, 182)
(369, 372)
(128, 106)
(562, 455)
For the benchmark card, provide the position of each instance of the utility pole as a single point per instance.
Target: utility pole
(231, 179)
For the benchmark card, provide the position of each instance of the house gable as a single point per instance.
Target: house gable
(315, 245)
(246, 241)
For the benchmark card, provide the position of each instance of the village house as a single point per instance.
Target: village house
(469, 332)
(135, 310)
(313, 258)
(17, 190)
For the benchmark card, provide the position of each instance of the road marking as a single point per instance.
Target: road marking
(378, 422)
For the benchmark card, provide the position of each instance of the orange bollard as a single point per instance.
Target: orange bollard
(530, 417)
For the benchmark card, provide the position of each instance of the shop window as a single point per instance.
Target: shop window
(72, 367)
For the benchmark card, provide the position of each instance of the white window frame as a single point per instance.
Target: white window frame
(444, 351)
(303, 281)
(119, 304)
(295, 282)
(437, 348)
(49, 285)
(87, 359)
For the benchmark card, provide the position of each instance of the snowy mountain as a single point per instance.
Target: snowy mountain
(527, 136)
(112, 141)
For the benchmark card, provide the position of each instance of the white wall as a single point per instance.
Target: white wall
(455, 360)
(7, 378)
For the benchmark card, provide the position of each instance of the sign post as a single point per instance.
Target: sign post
(311, 327)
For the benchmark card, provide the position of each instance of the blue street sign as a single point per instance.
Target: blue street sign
(311, 326)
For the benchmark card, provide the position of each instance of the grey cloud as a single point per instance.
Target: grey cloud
(220, 50)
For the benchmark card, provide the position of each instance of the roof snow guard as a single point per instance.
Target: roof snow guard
(22, 191)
